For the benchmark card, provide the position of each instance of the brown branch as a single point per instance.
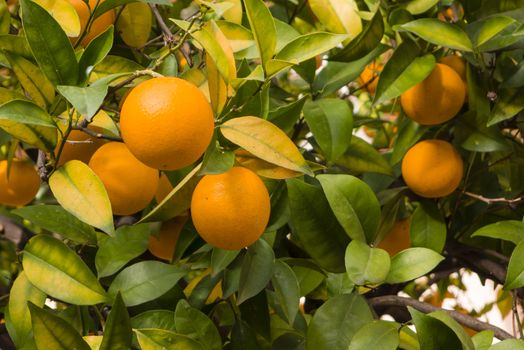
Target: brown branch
(493, 200)
(97, 134)
(40, 165)
(465, 320)
(168, 35)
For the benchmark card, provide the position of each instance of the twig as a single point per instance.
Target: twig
(168, 35)
(136, 74)
(40, 164)
(97, 134)
(493, 200)
(465, 320)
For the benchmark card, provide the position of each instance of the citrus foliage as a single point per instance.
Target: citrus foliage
(244, 174)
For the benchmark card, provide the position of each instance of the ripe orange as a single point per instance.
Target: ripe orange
(397, 238)
(231, 210)
(82, 150)
(436, 99)
(457, 63)
(99, 25)
(22, 184)
(167, 123)
(432, 168)
(163, 246)
(370, 76)
(130, 184)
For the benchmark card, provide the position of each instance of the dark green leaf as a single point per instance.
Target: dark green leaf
(432, 333)
(361, 157)
(316, 226)
(366, 265)
(515, 276)
(287, 289)
(117, 331)
(243, 337)
(428, 229)
(95, 52)
(49, 44)
(412, 263)
(197, 326)
(16, 45)
(257, 269)
(508, 104)
(54, 333)
(160, 339)
(408, 134)
(378, 334)
(55, 219)
(163, 319)
(459, 331)
(508, 230)
(216, 159)
(25, 112)
(220, 259)
(475, 136)
(335, 323)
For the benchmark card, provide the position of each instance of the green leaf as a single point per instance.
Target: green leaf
(404, 70)
(25, 112)
(354, 204)
(338, 16)
(263, 29)
(50, 46)
(9, 95)
(216, 159)
(509, 103)
(336, 322)
(439, 33)
(221, 258)
(485, 29)
(196, 325)
(160, 339)
(114, 252)
(408, 134)
(459, 331)
(508, 344)
(364, 43)
(145, 281)
(15, 44)
(508, 230)
(54, 333)
(476, 136)
(376, 335)
(482, 340)
(428, 229)
(117, 331)
(56, 270)
(134, 24)
(515, 275)
(257, 269)
(5, 18)
(77, 188)
(432, 333)
(95, 52)
(366, 265)
(163, 319)
(287, 290)
(55, 219)
(308, 46)
(311, 219)
(86, 100)
(266, 141)
(361, 157)
(417, 7)
(18, 318)
(412, 263)
(331, 122)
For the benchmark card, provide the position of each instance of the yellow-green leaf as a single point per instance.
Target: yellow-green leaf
(94, 341)
(234, 13)
(54, 268)
(134, 24)
(80, 192)
(240, 38)
(263, 28)
(216, 85)
(338, 16)
(266, 141)
(64, 13)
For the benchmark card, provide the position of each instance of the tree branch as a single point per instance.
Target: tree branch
(465, 320)
(168, 36)
(98, 135)
(40, 165)
(493, 200)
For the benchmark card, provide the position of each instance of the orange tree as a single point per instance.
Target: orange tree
(249, 174)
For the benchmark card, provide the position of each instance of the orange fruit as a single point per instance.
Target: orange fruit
(99, 25)
(130, 184)
(230, 210)
(164, 187)
(436, 99)
(163, 246)
(22, 184)
(369, 76)
(167, 123)
(82, 150)
(457, 63)
(397, 238)
(432, 168)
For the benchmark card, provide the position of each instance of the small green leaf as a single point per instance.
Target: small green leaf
(86, 100)
(412, 263)
(114, 252)
(366, 265)
(18, 318)
(459, 331)
(49, 44)
(95, 52)
(257, 269)
(428, 229)
(417, 7)
(56, 270)
(160, 339)
(163, 319)
(117, 331)
(287, 289)
(515, 276)
(508, 344)
(77, 189)
(55, 219)
(482, 340)
(336, 322)
(308, 46)
(196, 325)
(331, 122)
(509, 103)
(508, 230)
(338, 16)
(311, 219)
(266, 141)
(216, 159)
(221, 258)
(485, 29)
(432, 333)
(354, 204)
(408, 134)
(439, 33)
(263, 29)
(54, 333)
(361, 157)
(145, 281)
(376, 335)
